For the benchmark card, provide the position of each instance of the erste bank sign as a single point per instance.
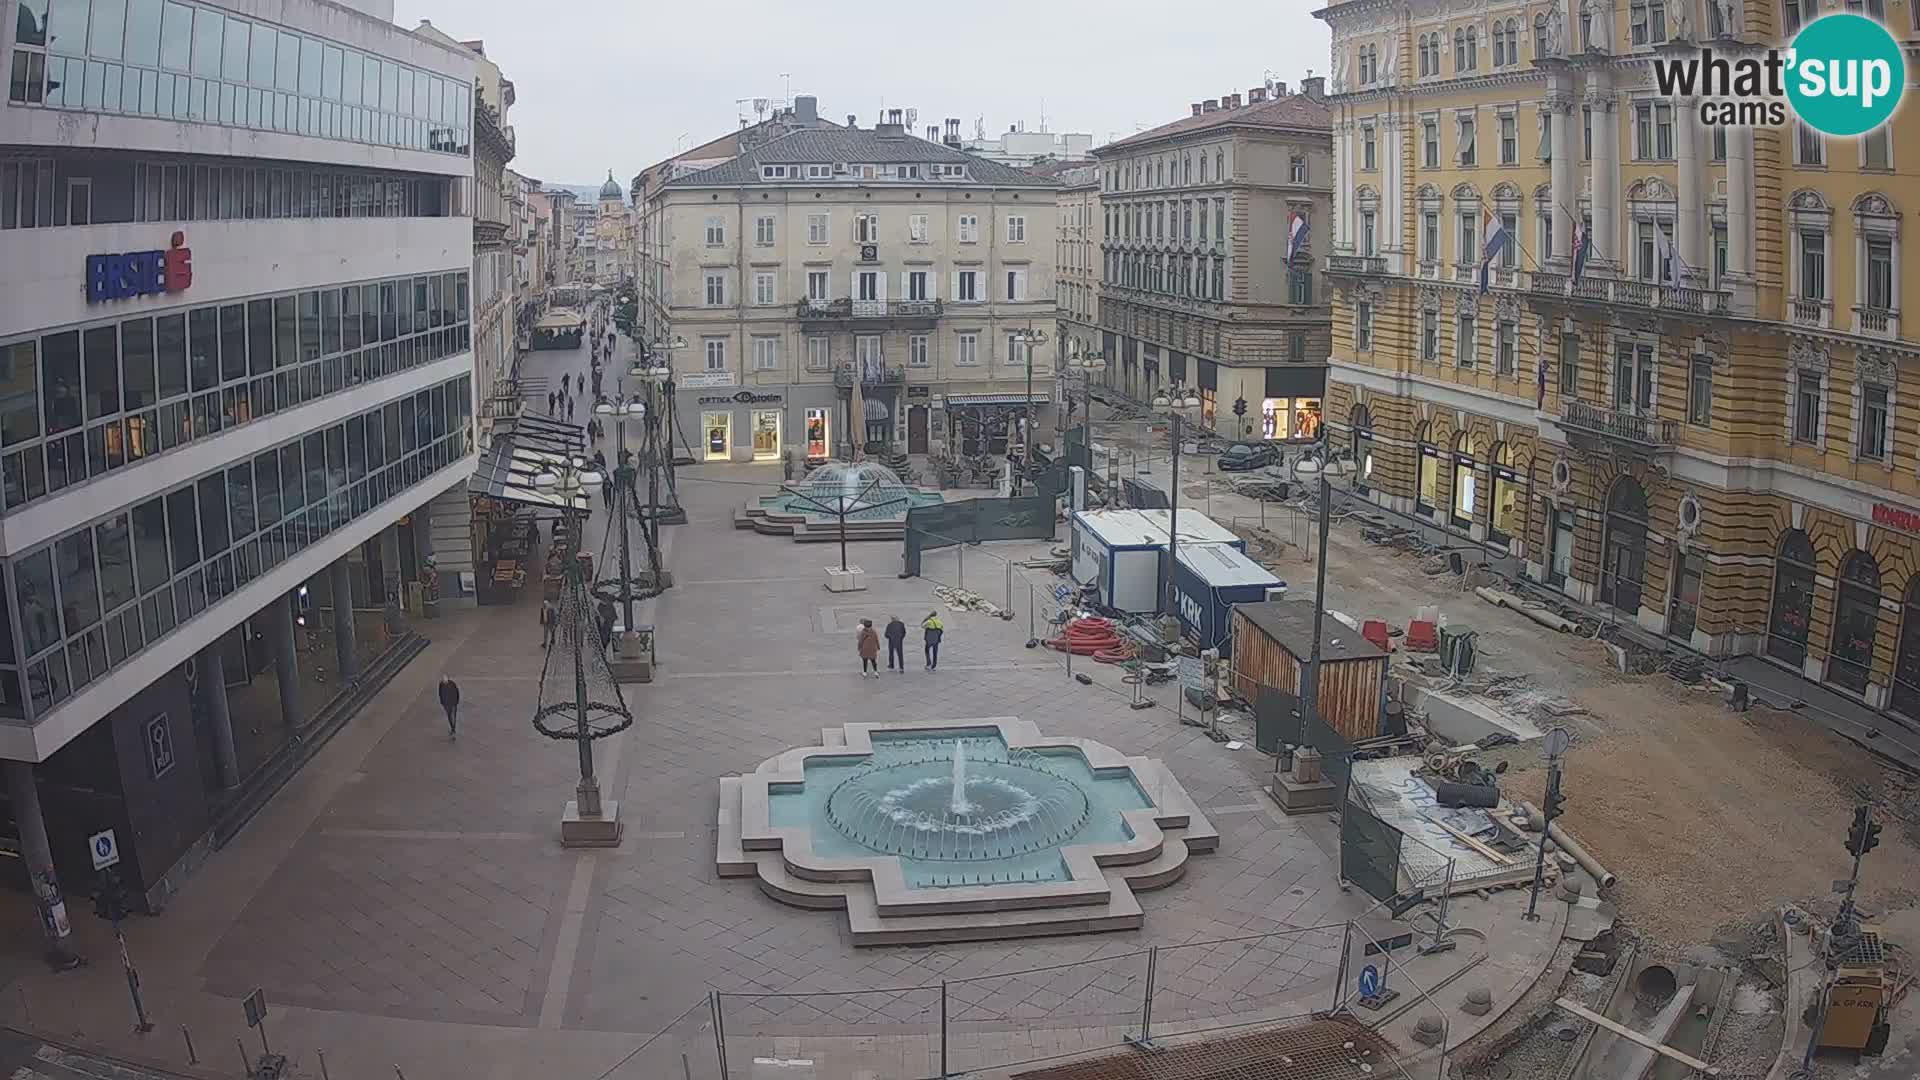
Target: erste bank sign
(140, 273)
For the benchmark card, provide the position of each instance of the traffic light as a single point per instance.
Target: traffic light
(1864, 836)
(1556, 799)
(1240, 406)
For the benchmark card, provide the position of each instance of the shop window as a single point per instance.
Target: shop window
(1856, 623)
(1465, 487)
(1504, 512)
(1360, 424)
(1905, 692)
(1684, 612)
(819, 435)
(1559, 547)
(1428, 495)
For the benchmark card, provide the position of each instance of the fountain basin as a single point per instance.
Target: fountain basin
(1040, 835)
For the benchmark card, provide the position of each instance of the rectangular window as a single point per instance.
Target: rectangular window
(966, 287)
(1633, 378)
(1663, 132)
(1429, 336)
(1466, 140)
(1299, 287)
(1367, 238)
(763, 230)
(1509, 252)
(766, 354)
(1469, 249)
(1509, 140)
(716, 353)
(716, 231)
(716, 288)
(917, 228)
(819, 354)
(1700, 392)
(1879, 290)
(1016, 229)
(1875, 150)
(1363, 326)
(1506, 348)
(1430, 237)
(969, 225)
(1368, 160)
(1429, 144)
(817, 285)
(1586, 133)
(866, 228)
(763, 288)
(917, 288)
(1813, 264)
(1875, 414)
(917, 351)
(1016, 284)
(1466, 343)
(818, 227)
(1569, 364)
(1808, 404)
(967, 350)
(1809, 146)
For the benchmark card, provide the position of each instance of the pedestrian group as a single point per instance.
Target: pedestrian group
(867, 644)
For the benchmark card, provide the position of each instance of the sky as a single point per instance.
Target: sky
(614, 84)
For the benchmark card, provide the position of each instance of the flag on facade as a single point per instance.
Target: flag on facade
(1666, 263)
(1540, 382)
(1582, 244)
(1497, 240)
(1296, 235)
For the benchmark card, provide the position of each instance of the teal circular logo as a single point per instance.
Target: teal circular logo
(1845, 75)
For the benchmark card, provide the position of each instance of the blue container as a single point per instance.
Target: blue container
(1208, 579)
(1122, 552)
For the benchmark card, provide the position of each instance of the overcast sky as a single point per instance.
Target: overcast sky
(613, 84)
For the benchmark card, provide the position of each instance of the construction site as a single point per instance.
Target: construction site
(1739, 858)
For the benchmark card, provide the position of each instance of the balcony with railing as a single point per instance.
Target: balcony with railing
(1873, 320)
(1810, 311)
(871, 373)
(1553, 285)
(1356, 265)
(848, 311)
(1621, 428)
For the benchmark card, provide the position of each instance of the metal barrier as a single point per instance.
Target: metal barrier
(971, 521)
(838, 1033)
(969, 568)
(686, 1049)
(1370, 984)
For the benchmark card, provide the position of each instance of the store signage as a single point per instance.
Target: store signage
(1894, 517)
(705, 380)
(140, 273)
(919, 391)
(744, 397)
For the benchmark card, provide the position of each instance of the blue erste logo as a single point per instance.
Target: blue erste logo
(1842, 76)
(1846, 75)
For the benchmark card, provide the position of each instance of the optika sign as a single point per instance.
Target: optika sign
(1842, 76)
(140, 273)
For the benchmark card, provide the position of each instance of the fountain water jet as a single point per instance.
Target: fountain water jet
(959, 803)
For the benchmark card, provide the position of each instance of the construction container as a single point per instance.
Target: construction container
(1272, 642)
(1208, 580)
(1123, 552)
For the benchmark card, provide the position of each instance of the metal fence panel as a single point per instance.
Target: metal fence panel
(838, 1033)
(1256, 979)
(685, 1050)
(994, 1021)
(1369, 852)
(1276, 718)
(971, 521)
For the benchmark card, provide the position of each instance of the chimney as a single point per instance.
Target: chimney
(1236, 102)
(894, 126)
(1314, 86)
(1279, 89)
(1196, 108)
(1209, 105)
(1256, 95)
(933, 132)
(953, 132)
(806, 109)
(852, 121)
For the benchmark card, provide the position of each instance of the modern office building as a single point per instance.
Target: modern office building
(1204, 281)
(858, 288)
(234, 363)
(1701, 424)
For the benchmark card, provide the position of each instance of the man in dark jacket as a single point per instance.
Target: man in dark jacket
(450, 701)
(605, 616)
(896, 644)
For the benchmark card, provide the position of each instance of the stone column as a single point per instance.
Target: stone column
(340, 585)
(277, 618)
(1740, 202)
(23, 795)
(1606, 174)
(210, 666)
(1565, 142)
(1689, 224)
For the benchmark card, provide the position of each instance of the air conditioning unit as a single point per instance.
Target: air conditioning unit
(839, 167)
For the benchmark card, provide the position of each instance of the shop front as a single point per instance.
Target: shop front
(1291, 400)
(746, 425)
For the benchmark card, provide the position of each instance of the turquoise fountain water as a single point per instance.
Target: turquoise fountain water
(958, 808)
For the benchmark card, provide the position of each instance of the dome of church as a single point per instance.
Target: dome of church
(611, 189)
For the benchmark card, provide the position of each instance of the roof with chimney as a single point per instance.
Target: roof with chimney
(888, 145)
(1290, 112)
(1069, 173)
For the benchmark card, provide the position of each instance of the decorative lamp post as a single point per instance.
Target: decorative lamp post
(632, 646)
(1028, 339)
(578, 697)
(1177, 404)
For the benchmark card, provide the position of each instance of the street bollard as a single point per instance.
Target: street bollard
(324, 1075)
(193, 1056)
(246, 1063)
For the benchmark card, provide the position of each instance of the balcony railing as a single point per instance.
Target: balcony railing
(1356, 264)
(1619, 425)
(1809, 311)
(1642, 294)
(869, 309)
(1875, 320)
(870, 373)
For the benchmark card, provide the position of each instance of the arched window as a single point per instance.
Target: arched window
(1793, 578)
(1427, 490)
(1459, 50)
(1187, 170)
(1360, 429)
(1203, 168)
(1623, 553)
(1540, 34)
(1505, 507)
(1499, 44)
(1473, 48)
(1856, 623)
(1466, 489)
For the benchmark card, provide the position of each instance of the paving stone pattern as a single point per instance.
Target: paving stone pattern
(433, 885)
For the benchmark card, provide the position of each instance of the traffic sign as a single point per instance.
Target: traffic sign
(256, 1007)
(104, 849)
(1369, 981)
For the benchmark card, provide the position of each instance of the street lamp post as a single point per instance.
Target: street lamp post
(1028, 339)
(1176, 404)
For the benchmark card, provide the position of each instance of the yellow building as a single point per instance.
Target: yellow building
(1707, 430)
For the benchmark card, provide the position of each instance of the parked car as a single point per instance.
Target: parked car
(1243, 456)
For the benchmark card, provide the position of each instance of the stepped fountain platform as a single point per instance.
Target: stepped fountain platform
(876, 502)
(960, 830)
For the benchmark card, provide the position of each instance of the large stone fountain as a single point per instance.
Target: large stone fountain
(959, 830)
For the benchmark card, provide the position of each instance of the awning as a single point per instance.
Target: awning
(954, 400)
(520, 452)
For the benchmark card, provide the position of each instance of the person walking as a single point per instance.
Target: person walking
(549, 623)
(450, 701)
(896, 644)
(934, 630)
(552, 400)
(605, 618)
(869, 645)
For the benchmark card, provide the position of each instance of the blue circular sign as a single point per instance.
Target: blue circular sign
(1369, 981)
(104, 846)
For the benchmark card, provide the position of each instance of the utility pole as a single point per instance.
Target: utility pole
(1843, 933)
(1310, 680)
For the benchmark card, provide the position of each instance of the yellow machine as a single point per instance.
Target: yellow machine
(1858, 998)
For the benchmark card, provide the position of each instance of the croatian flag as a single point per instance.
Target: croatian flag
(1582, 246)
(1296, 235)
(1497, 240)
